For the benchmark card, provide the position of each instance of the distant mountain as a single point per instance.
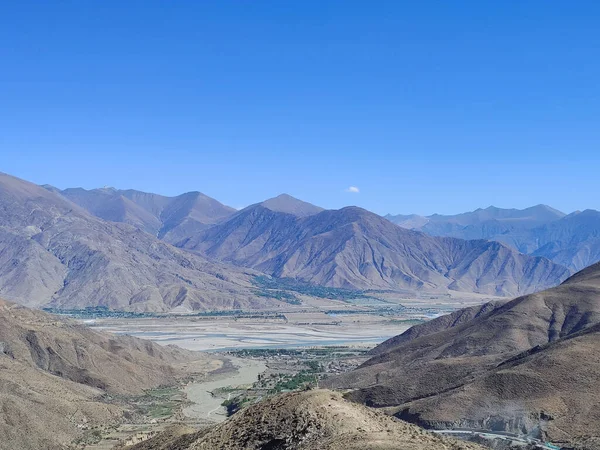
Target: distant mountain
(573, 241)
(287, 204)
(529, 365)
(169, 218)
(353, 248)
(54, 373)
(53, 253)
(570, 240)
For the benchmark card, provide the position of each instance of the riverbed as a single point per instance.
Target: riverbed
(206, 407)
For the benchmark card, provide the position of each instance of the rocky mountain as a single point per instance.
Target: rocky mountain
(308, 420)
(573, 241)
(54, 374)
(353, 248)
(169, 218)
(528, 365)
(570, 240)
(54, 253)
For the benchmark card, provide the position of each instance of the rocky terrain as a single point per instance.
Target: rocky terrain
(353, 248)
(528, 365)
(168, 218)
(570, 240)
(308, 420)
(54, 253)
(55, 374)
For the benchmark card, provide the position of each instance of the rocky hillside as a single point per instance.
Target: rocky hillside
(54, 374)
(527, 365)
(307, 421)
(570, 240)
(168, 218)
(54, 253)
(353, 248)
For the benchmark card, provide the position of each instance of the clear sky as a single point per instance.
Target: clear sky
(423, 106)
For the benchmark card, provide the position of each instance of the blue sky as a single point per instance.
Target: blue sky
(429, 106)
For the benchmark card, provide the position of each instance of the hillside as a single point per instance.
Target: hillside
(527, 365)
(168, 218)
(573, 241)
(353, 248)
(53, 253)
(570, 240)
(307, 421)
(54, 374)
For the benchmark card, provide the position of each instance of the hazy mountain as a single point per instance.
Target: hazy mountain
(52, 252)
(54, 372)
(288, 204)
(308, 420)
(573, 241)
(527, 365)
(570, 240)
(353, 248)
(168, 218)
(504, 225)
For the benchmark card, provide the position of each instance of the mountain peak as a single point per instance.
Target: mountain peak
(287, 204)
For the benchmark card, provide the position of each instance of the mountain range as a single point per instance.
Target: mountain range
(54, 253)
(75, 248)
(168, 218)
(355, 249)
(571, 240)
(528, 365)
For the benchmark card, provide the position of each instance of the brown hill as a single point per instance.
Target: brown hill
(353, 248)
(528, 365)
(307, 421)
(52, 252)
(54, 374)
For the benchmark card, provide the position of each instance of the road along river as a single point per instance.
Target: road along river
(207, 407)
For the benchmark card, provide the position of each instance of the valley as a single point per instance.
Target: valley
(260, 354)
(316, 322)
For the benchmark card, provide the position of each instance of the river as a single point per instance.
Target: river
(207, 407)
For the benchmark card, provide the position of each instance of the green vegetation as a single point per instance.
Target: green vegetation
(96, 312)
(311, 351)
(301, 380)
(301, 287)
(282, 296)
(234, 404)
(159, 403)
(89, 437)
(407, 321)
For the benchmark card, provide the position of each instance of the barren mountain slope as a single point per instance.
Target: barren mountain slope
(570, 240)
(353, 248)
(307, 421)
(523, 363)
(54, 372)
(505, 225)
(169, 218)
(573, 241)
(52, 252)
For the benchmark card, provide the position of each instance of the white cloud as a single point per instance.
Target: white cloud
(353, 190)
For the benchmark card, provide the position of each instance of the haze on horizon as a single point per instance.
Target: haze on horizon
(405, 108)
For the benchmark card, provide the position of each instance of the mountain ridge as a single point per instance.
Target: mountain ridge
(54, 253)
(572, 240)
(168, 218)
(526, 365)
(354, 248)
